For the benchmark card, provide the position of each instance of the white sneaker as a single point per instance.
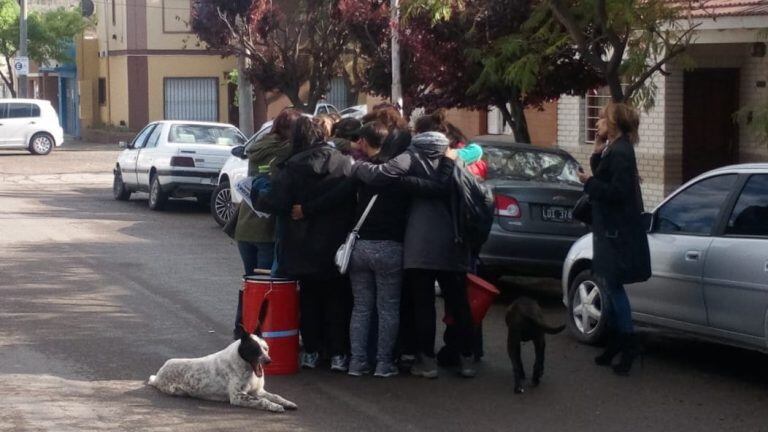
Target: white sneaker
(466, 369)
(339, 363)
(426, 367)
(309, 360)
(385, 370)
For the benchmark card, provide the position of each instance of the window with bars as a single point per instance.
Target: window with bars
(594, 101)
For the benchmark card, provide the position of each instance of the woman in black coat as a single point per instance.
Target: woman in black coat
(305, 248)
(619, 238)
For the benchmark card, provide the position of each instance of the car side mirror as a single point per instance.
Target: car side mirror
(647, 221)
(122, 144)
(239, 151)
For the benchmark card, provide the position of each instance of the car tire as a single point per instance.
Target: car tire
(41, 144)
(157, 198)
(222, 207)
(119, 190)
(587, 309)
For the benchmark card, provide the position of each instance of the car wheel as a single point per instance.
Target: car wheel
(587, 310)
(41, 144)
(119, 190)
(222, 207)
(157, 198)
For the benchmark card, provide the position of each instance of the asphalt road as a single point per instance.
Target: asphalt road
(96, 294)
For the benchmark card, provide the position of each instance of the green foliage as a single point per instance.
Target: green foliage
(755, 119)
(49, 33)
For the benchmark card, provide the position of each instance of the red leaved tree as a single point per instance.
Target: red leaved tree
(288, 45)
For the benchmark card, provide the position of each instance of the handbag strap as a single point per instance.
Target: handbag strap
(365, 213)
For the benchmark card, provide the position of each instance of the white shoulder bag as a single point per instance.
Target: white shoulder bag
(344, 253)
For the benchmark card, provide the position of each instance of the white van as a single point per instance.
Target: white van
(30, 124)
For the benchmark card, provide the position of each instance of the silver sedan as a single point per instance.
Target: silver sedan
(709, 256)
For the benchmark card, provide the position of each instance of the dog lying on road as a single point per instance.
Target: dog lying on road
(234, 374)
(525, 322)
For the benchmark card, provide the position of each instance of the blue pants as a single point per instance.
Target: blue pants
(618, 302)
(254, 256)
(376, 273)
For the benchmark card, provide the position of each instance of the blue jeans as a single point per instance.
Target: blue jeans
(376, 273)
(255, 256)
(619, 308)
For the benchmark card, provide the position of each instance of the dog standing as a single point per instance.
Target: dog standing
(234, 374)
(525, 322)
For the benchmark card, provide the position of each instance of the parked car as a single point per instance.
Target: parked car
(709, 258)
(535, 189)
(176, 159)
(325, 108)
(356, 112)
(225, 198)
(30, 124)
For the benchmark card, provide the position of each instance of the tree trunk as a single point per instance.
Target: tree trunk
(515, 118)
(8, 79)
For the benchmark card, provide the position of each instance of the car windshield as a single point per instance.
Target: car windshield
(522, 164)
(205, 134)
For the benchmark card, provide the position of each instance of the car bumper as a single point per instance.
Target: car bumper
(188, 181)
(525, 253)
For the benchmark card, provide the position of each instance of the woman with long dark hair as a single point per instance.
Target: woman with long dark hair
(307, 246)
(619, 238)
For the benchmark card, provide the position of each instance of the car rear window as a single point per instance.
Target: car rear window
(22, 110)
(205, 134)
(520, 164)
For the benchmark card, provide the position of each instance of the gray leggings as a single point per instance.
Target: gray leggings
(376, 273)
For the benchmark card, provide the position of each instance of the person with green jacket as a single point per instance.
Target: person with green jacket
(254, 233)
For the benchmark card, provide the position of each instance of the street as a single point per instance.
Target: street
(97, 294)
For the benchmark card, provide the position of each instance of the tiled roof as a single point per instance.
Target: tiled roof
(723, 8)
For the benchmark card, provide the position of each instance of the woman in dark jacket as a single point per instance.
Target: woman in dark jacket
(255, 235)
(431, 251)
(619, 238)
(306, 247)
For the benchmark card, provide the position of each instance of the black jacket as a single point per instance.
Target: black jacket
(306, 248)
(620, 242)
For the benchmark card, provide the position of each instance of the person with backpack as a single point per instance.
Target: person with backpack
(433, 250)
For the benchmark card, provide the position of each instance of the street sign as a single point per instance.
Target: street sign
(21, 65)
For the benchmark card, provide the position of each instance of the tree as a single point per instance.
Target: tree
(288, 46)
(627, 41)
(49, 35)
(465, 55)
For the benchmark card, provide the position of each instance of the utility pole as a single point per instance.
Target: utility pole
(397, 90)
(22, 46)
(244, 97)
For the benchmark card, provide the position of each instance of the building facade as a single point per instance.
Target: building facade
(691, 129)
(142, 64)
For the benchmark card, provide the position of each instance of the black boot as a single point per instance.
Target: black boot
(629, 350)
(611, 349)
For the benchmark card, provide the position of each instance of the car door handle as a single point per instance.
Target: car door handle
(692, 256)
(32, 122)
(766, 266)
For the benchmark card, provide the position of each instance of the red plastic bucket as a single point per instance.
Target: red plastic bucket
(280, 328)
(480, 294)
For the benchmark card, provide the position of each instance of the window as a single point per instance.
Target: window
(20, 110)
(593, 103)
(517, 164)
(204, 134)
(141, 138)
(750, 216)
(191, 99)
(102, 91)
(35, 111)
(3, 110)
(695, 210)
(154, 137)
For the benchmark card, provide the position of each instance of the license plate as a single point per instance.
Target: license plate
(556, 214)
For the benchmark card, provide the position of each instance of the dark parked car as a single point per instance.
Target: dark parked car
(535, 189)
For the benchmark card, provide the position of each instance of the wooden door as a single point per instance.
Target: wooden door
(710, 135)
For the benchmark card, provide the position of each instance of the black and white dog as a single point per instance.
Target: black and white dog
(234, 374)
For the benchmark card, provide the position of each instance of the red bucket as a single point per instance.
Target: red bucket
(480, 294)
(280, 328)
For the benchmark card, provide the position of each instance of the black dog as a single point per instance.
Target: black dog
(525, 322)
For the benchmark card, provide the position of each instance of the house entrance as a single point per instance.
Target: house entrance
(710, 135)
